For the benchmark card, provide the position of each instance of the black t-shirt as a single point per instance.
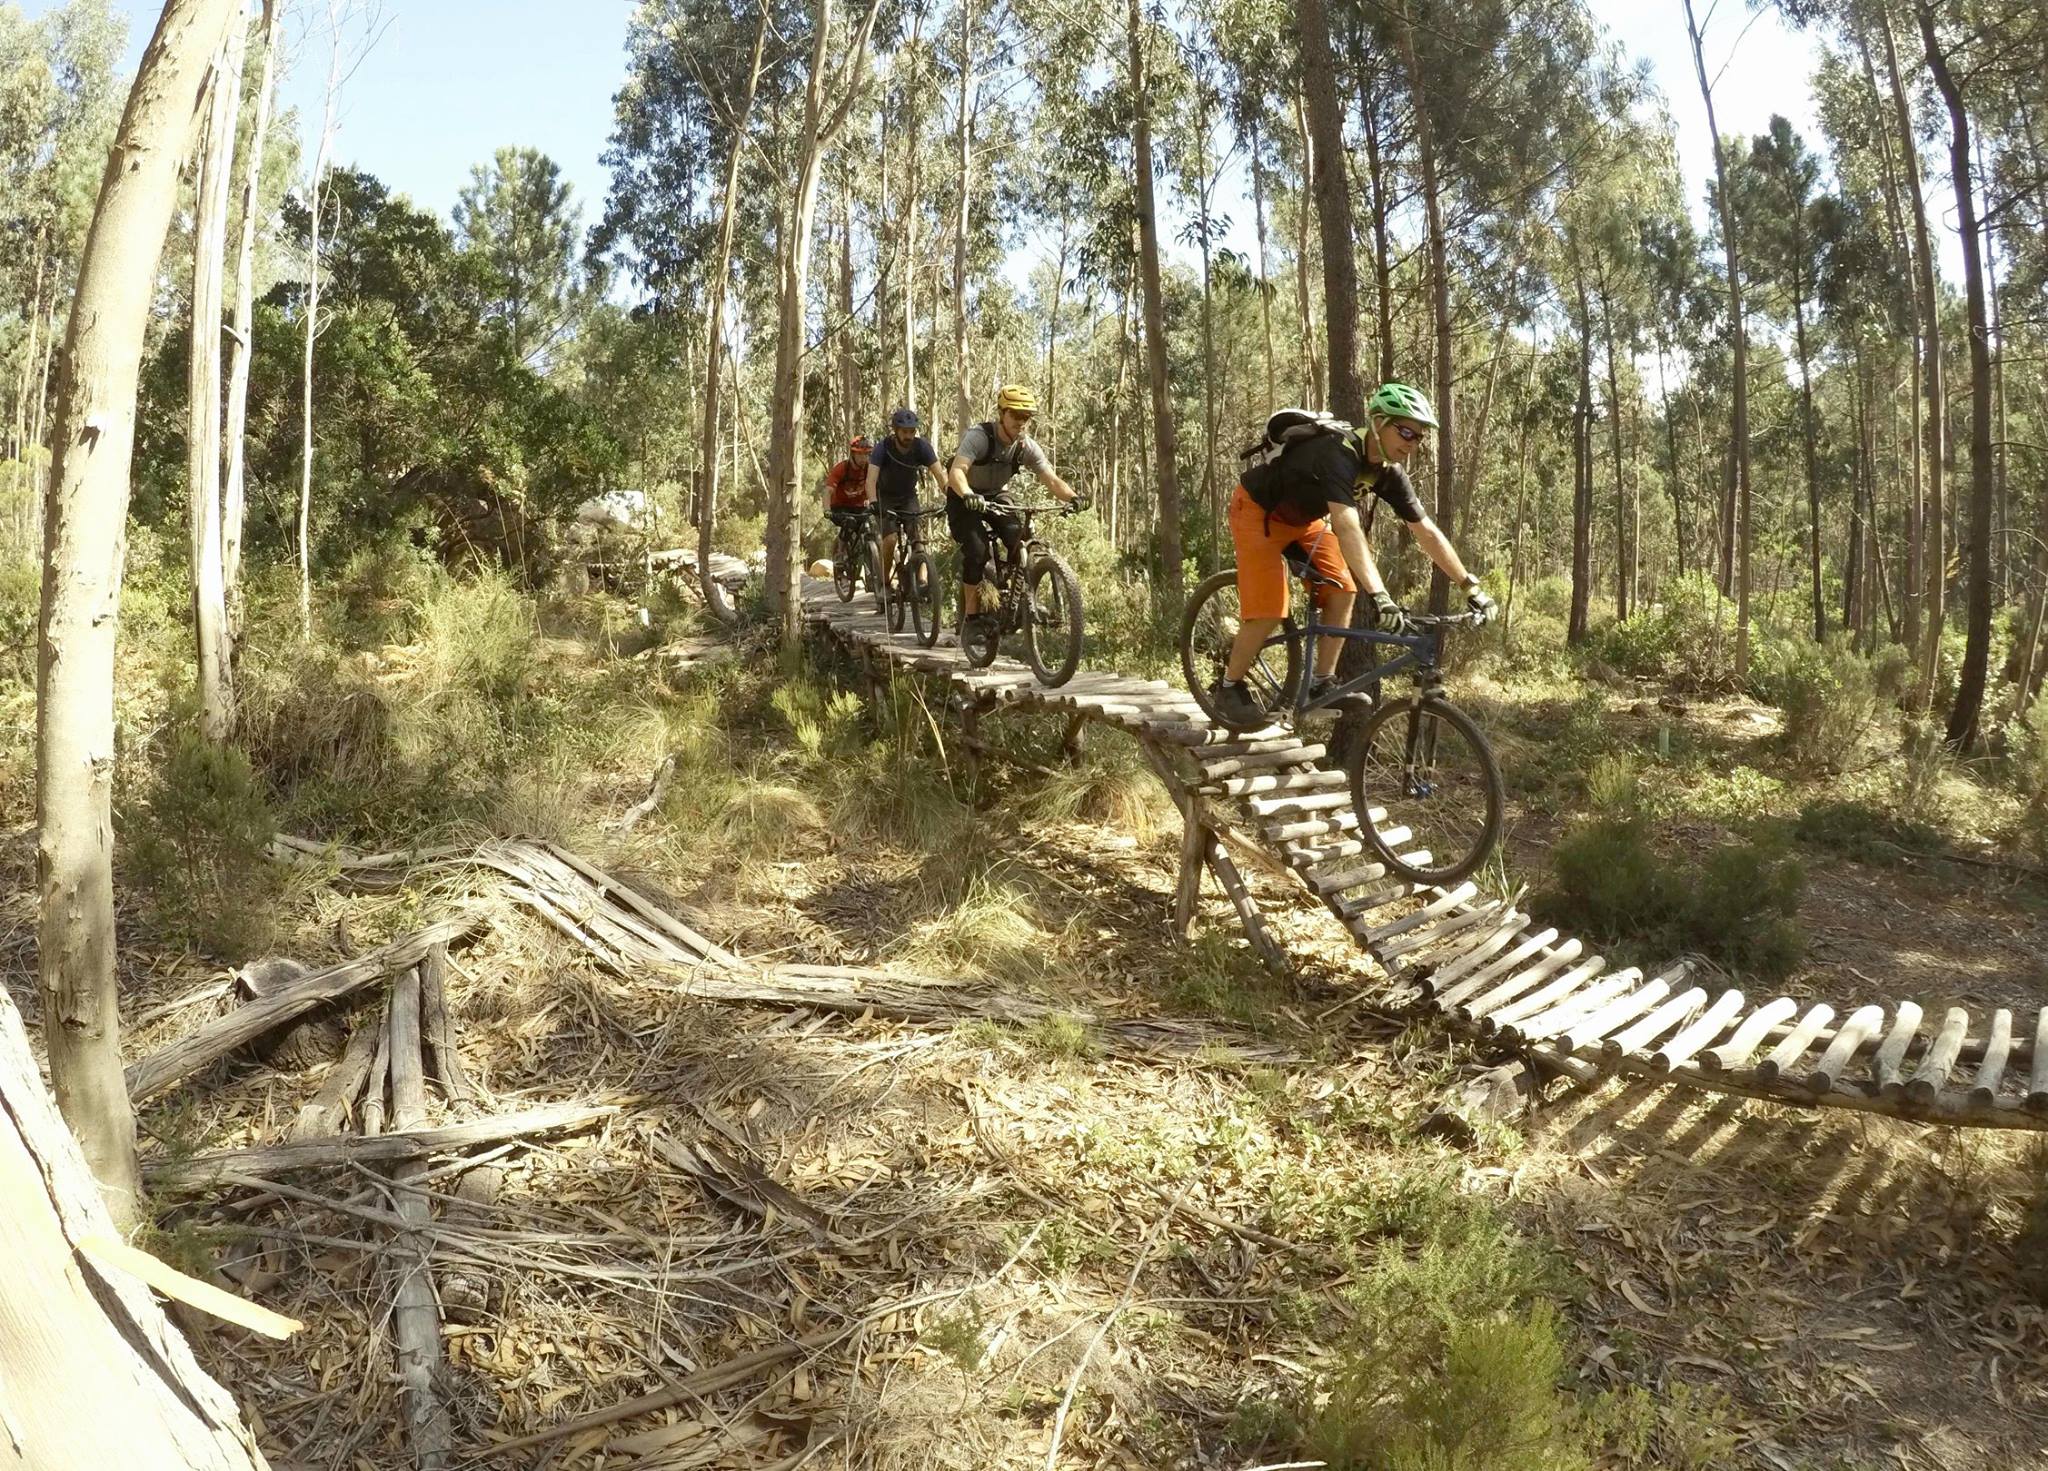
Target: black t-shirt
(1324, 471)
(899, 468)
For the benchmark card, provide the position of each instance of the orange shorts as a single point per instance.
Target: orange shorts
(1261, 570)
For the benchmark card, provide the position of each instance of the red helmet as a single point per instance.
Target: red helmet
(861, 445)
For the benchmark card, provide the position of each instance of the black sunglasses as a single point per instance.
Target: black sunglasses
(1407, 434)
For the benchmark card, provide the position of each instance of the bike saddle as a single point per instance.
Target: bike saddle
(1297, 559)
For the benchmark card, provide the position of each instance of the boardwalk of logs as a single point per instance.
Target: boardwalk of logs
(1478, 964)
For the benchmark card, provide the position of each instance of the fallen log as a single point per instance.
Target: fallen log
(322, 1154)
(218, 1038)
(95, 1374)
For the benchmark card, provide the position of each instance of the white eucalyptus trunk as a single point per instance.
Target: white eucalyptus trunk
(235, 497)
(85, 520)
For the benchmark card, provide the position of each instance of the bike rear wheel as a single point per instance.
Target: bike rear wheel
(922, 578)
(1427, 768)
(980, 635)
(1207, 631)
(1052, 620)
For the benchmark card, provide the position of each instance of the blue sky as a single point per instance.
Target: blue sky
(448, 81)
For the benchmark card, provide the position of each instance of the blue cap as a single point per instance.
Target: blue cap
(903, 419)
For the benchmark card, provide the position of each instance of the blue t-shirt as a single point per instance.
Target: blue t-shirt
(898, 469)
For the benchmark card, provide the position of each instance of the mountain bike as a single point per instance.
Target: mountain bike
(1424, 781)
(860, 558)
(914, 575)
(1036, 595)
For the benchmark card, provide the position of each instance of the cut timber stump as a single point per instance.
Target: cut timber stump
(91, 1372)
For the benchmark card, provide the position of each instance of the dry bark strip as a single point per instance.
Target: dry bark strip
(322, 1116)
(95, 1374)
(439, 1028)
(320, 1154)
(415, 1316)
(218, 1038)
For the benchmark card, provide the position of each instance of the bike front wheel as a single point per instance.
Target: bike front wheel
(842, 572)
(877, 583)
(1052, 622)
(1209, 628)
(1424, 770)
(921, 585)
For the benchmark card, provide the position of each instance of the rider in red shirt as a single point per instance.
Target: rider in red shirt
(846, 489)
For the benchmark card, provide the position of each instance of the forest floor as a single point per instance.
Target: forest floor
(976, 1239)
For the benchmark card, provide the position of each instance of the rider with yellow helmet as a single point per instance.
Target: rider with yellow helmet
(988, 456)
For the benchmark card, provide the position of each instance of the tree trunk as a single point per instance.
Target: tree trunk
(235, 498)
(84, 538)
(1969, 705)
(963, 397)
(714, 335)
(1447, 489)
(1165, 452)
(1933, 547)
(1376, 170)
(1820, 607)
(1739, 428)
(1333, 208)
(1678, 527)
(1621, 540)
(785, 429)
(313, 324)
(202, 381)
(1311, 360)
(1212, 490)
(96, 1374)
(1582, 466)
(1265, 285)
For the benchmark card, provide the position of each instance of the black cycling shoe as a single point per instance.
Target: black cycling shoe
(1320, 687)
(1236, 704)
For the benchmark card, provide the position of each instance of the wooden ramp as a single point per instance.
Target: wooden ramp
(1478, 965)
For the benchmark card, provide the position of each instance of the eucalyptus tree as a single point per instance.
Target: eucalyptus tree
(1743, 531)
(1140, 36)
(215, 172)
(818, 128)
(84, 528)
(1942, 47)
(1785, 235)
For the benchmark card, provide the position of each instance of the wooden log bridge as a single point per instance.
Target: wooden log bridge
(1478, 965)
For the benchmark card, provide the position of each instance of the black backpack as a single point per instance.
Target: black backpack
(1286, 428)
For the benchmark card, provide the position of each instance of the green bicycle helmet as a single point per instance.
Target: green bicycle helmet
(1399, 401)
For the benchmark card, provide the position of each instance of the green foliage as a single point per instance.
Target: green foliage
(197, 840)
(1862, 832)
(1457, 1355)
(1736, 904)
(1686, 640)
(1926, 765)
(1831, 696)
(2027, 748)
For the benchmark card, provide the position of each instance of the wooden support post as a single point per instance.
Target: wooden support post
(1263, 944)
(1195, 843)
(1072, 743)
(970, 742)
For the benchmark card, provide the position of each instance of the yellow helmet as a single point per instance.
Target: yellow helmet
(1019, 397)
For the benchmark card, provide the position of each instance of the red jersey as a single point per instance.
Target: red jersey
(848, 484)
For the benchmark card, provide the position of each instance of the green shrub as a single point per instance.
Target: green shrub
(21, 593)
(198, 842)
(1735, 906)
(1687, 638)
(1829, 693)
(1862, 832)
(1456, 1360)
(1926, 765)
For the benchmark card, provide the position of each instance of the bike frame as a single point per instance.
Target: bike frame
(1003, 572)
(1420, 656)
